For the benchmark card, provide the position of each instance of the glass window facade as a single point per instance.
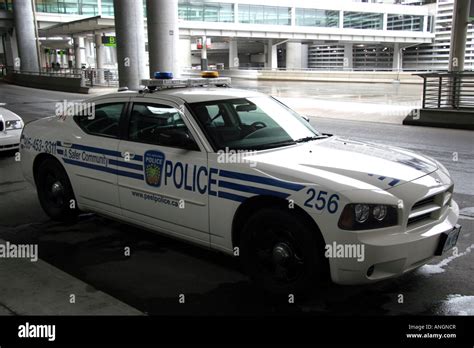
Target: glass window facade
(363, 20)
(206, 12)
(6, 5)
(404, 22)
(108, 8)
(317, 18)
(74, 7)
(259, 14)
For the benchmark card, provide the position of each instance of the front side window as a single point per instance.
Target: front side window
(104, 121)
(159, 125)
(251, 123)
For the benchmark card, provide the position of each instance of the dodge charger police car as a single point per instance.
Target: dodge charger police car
(154, 159)
(11, 126)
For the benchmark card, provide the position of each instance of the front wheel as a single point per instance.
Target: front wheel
(282, 253)
(55, 192)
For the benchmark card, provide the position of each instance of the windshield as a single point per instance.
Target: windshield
(251, 123)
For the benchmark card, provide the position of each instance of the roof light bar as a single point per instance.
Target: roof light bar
(192, 82)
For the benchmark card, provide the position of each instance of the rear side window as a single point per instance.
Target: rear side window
(105, 120)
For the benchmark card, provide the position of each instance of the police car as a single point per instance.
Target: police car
(239, 172)
(11, 126)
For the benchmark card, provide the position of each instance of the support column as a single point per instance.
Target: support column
(184, 53)
(271, 52)
(348, 63)
(233, 54)
(293, 55)
(100, 58)
(163, 36)
(457, 50)
(204, 64)
(397, 59)
(11, 50)
(130, 32)
(25, 33)
(79, 51)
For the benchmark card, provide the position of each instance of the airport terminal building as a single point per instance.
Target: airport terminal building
(381, 35)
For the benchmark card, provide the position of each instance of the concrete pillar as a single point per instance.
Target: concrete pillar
(204, 64)
(293, 55)
(11, 50)
(184, 53)
(457, 50)
(79, 51)
(233, 54)
(100, 58)
(304, 56)
(271, 53)
(348, 63)
(130, 32)
(25, 33)
(397, 57)
(163, 36)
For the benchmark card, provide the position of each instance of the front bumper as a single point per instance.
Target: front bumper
(391, 252)
(10, 140)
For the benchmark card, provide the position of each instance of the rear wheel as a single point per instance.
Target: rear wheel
(282, 253)
(55, 192)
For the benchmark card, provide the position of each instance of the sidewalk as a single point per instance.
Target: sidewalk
(37, 288)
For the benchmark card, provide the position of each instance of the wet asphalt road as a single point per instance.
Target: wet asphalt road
(160, 269)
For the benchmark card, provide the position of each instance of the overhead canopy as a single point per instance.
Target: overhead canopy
(87, 25)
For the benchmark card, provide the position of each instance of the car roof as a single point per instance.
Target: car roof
(195, 95)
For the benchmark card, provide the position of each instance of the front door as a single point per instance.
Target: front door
(167, 187)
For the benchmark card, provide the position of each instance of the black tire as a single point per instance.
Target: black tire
(281, 253)
(55, 192)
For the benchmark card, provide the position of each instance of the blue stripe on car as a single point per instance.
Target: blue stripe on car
(104, 169)
(126, 165)
(251, 189)
(261, 180)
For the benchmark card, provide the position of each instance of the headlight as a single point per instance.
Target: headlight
(368, 216)
(362, 212)
(10, 125)
(379, 212)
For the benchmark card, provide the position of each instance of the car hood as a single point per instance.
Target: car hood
(7, 115)
(377, 165)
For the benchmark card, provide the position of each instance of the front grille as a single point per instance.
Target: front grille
(9, 147)
(1, 126)
(423, 202)
(430, 208)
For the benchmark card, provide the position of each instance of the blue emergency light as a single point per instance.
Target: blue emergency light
(163, 75)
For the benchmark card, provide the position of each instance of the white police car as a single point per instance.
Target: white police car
(11, 126)
(239, 172)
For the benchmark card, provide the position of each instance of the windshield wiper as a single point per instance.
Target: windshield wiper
(273, 145)
(308, 139)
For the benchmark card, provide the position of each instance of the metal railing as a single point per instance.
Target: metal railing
(90, 77)
(448, 90)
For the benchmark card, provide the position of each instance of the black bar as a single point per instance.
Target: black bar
(244, 330)
(424, 92)
(439, 91)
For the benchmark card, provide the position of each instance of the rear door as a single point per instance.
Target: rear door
(168, 188)
(91, 154)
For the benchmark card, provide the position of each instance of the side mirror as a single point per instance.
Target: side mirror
(177, 138)
(306, 118)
